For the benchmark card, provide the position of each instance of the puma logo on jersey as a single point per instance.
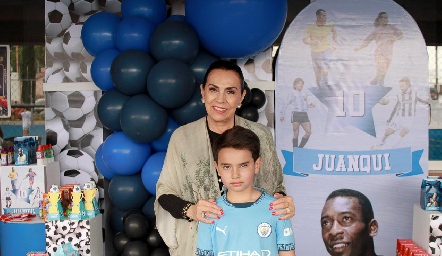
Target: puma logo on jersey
(221, 230)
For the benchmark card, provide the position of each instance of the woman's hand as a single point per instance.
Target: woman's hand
(283, 205)
(204, 209)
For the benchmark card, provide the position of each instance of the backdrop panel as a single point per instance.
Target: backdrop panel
(364, 69)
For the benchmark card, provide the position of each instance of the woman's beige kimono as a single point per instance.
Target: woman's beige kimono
(189, 173)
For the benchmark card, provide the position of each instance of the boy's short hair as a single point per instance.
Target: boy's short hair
(237, 137)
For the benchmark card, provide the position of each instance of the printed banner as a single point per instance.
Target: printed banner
(352, 113)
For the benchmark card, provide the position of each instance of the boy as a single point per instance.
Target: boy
(247, 226)
(298, 105)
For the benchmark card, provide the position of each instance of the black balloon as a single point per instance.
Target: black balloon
(136, 226)
(171, 83)
(174, 39)
(142, 119)
(136, 248)
(193, 110)
(148, 209)
(160, 252)
(131, 212)
(109, 109)
(120, 240)
(129, 71)
(249, 112)
(248, 96)
(154, 239)
(258, 98)
(201, 63)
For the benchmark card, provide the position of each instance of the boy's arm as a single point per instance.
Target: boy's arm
(286, 253)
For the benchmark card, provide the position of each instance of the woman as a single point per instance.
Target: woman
(385, 35)
(188, 183)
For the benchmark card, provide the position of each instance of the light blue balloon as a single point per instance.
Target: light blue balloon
(101, 69)
(98, 32)
(101, 166)
(123, 155)
(151, 171)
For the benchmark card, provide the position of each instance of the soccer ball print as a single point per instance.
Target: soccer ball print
(57, 134)
(57, 18)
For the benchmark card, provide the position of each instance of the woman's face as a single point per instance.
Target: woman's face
(222, 95)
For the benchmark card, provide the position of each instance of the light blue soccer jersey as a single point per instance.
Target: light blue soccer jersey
(251, 230)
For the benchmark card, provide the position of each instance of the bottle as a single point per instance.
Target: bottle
(10, 154)
(4, 157)
(51, 150)
(40, 155)
(47, 154)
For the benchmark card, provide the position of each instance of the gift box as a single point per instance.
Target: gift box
(401, 244)
(427, 230)
(431, 196)
(85, 235)
(22, 187)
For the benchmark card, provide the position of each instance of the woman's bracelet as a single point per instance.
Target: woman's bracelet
(184, 212)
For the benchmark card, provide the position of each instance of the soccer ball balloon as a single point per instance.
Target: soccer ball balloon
(84, 125)
(90, 142)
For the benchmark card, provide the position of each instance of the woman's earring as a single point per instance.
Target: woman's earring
(239, 106)
(202, 100)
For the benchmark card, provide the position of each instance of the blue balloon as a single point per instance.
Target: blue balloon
(97, 33)
(174, 39)
(142, 119)
(133, 32)
(123, 155)
(116, 219)
(171, 83)
(162, 142)
(101, 166)
(128, 192)
(148, 208)
(151, 171)
(201, 63)
(109, 109)
(100, 69)
(193, 110)
(236, 29)
(129, 71)
(153, 10)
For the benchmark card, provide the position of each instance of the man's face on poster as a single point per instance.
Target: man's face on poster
(343, 230)
(321, 17)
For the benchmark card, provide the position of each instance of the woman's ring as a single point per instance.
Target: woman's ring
(287, 210)
(203, 214)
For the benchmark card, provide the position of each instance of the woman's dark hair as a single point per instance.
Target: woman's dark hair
(225, 65)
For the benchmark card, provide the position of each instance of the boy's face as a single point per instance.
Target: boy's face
(237, 169)
(298, 85)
